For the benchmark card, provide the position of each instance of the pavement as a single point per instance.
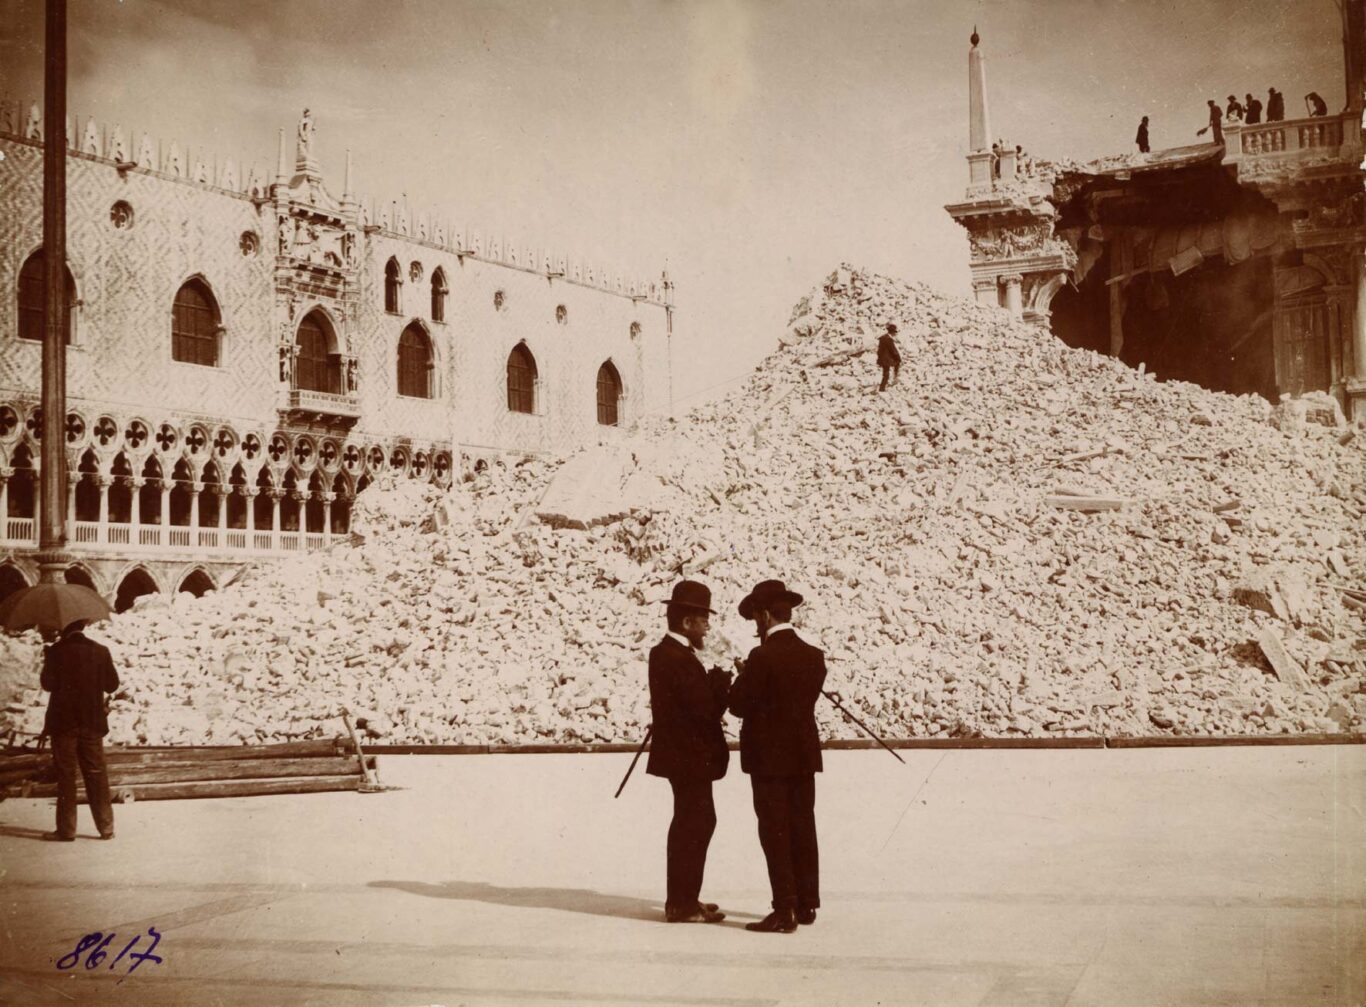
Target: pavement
(1079, 877)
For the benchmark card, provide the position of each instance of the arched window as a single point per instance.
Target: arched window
(393, 283)
(415, 363)
(521, 380)
(317, 368)
(609, 394)
(32, 298)
(194, 325)
(439, 290)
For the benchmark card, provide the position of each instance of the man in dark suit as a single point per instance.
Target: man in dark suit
(78, 672)
(688, 749)
(888, 356)
(776, 694)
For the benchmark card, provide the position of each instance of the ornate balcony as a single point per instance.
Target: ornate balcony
(1272, 152)
(302, 404)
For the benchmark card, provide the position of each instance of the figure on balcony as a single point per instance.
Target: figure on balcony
(1216, 123)
(1275, 105)
(1142, 138)
(1315, 103)
(1235, 110)
(1254, 111)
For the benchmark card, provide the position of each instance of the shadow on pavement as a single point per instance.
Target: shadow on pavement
(19, 832)
(572, 900)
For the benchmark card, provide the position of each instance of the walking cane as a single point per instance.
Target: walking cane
(839, 706)
(644, 741)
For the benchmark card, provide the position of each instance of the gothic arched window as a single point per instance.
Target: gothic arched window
(609, 394)
(439, 290)
(194, 325)
(415, 363)
(317, 368)
(393, 283)
(521, 380)
(32, 307)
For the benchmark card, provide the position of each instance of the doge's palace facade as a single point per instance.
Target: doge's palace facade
(247, 353)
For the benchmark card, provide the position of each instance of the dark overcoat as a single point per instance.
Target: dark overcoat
(776, 697)
(686, 707)
(78, 672)
(887, 353)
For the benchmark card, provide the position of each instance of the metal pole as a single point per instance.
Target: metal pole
(52, 530)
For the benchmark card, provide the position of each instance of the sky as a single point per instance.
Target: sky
(748, 146)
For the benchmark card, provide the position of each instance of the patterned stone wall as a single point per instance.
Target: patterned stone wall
(183, 225)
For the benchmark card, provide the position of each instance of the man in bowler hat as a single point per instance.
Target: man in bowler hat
(688, 749)
(775, 694)
(78, 672)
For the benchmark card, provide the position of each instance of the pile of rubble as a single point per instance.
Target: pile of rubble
(1016, 539)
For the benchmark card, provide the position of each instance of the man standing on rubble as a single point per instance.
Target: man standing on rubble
(78, 672)
(687, 704)
(780, 749)
(888, 356)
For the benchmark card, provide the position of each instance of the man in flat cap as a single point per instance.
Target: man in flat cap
(775, 694)
(688, 749)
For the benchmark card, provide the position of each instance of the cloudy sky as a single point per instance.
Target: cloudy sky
(750, 145)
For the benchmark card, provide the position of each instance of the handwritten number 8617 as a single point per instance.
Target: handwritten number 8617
(100, 942)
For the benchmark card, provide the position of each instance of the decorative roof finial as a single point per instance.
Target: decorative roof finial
(975, 38)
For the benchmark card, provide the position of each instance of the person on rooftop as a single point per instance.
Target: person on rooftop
(1275, 105)
(1142, 138)
(1316, 104)
(1216, 123)
(1235, 110)
(1254, 111)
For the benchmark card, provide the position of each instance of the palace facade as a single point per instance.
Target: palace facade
(245, 354)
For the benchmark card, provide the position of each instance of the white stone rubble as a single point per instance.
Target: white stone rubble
(952, 596)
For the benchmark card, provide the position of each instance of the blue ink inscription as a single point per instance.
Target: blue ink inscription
(100, 942)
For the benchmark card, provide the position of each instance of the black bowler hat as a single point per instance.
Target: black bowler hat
(765, 593)
(891, 328)
(692, 594)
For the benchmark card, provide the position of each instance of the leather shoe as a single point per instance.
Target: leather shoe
(57, 837)
(106, 835)
(698, 915)
(806, 917)
(780, 921)
(710, 907)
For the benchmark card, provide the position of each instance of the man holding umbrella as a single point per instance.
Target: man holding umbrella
(689, 749)
(78, 672)
(780, 749)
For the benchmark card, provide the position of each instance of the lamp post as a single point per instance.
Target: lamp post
(52, 488)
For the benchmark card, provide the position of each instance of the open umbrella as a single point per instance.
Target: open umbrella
(51, 607)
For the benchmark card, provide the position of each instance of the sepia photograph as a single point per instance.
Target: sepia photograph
(683, 503)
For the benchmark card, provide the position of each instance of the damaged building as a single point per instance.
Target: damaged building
(1237, 265)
